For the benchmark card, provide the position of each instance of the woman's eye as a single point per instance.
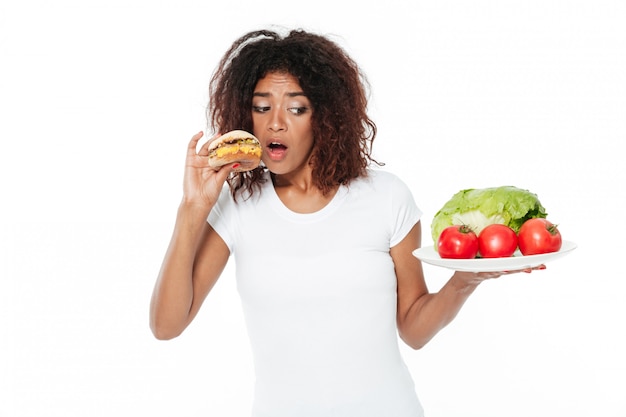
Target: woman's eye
(298, 110)
(261, 109)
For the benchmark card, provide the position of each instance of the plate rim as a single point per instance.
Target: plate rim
(517, 261)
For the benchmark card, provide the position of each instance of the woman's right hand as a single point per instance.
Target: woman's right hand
(181, 288)
(202, 184)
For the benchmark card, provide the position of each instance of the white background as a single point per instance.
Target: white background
(99, 98)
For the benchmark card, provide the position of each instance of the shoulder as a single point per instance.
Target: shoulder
(381, 175)
(380, 188)
(383, 180)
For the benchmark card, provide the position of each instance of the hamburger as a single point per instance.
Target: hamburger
(237, 146)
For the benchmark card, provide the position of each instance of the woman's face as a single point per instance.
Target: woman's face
(281, 120)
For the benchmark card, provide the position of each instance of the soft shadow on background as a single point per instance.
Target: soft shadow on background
(98, 100)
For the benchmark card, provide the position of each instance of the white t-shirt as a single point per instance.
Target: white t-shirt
(319, 297)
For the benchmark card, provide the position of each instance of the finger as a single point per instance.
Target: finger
(516, 271)
(228, 168)
(534, 268)
(490, 274)
(204, 149)
(525, 270)
(193, 143)
(222, 173)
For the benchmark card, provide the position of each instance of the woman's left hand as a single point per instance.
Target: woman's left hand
(475, 278)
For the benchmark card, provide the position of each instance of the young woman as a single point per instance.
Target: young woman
(322, 240)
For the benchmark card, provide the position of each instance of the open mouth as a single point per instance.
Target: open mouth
(276, 146)
(276, 151)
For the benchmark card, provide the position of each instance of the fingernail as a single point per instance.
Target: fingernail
(235, 166)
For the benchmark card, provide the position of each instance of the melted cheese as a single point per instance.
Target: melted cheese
(241, 148)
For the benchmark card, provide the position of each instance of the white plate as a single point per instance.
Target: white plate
(429, 255)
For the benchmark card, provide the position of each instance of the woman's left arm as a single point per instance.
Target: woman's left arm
(420, 314)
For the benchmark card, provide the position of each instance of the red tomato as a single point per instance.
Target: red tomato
(539, 236)
(497, 241)
(457, 242)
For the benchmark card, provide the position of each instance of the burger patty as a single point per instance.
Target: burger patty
(247, 146)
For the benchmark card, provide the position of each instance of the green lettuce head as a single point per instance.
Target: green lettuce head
(478, 208)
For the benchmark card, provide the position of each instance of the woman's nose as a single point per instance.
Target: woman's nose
(277, 122)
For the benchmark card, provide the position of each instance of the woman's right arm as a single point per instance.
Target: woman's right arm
(196, 255)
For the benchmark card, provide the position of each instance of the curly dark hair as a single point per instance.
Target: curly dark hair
(336, 87)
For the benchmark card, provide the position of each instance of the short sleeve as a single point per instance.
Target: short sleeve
(404, 211)
(221, 218)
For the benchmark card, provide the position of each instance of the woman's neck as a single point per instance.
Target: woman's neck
(299, 193)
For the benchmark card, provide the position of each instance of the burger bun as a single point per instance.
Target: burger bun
(237, 146)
